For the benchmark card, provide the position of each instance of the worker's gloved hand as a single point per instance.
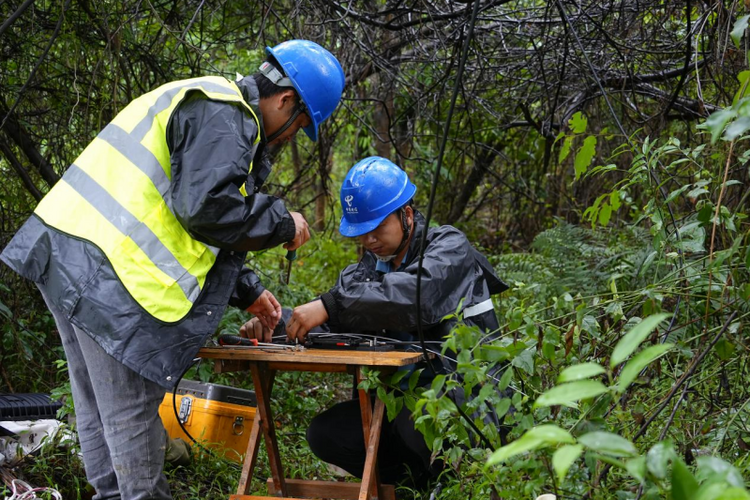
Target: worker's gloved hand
(301, 231)
(254, 329)
(267, 309)
(305, 318)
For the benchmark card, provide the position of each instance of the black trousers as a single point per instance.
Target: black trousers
(336, 437)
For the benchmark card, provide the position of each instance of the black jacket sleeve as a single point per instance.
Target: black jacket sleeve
(247, 290)
(211, 147)
(449, 272)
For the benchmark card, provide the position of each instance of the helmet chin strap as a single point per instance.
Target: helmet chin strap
(406, 229)
(299, 108)
(404, 239)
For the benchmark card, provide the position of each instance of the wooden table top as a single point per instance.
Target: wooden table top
(313, 356)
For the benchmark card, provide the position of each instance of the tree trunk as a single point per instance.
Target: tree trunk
(481, 164)
(19, 135)
(22, 173)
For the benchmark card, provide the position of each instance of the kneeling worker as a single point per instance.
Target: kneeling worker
(379, 293)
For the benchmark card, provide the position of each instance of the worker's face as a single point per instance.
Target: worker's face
(276, 111)
(385, 239)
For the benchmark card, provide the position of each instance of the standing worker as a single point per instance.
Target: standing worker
(140, 246)
(378, 295)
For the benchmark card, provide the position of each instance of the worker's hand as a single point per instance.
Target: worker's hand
(254, 329)
(301, 231)
(267, 309)
(305, 318)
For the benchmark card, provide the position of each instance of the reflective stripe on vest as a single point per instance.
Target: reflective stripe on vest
(117, 196)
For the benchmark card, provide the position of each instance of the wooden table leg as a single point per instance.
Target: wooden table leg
(371, 487)
(371, 427)
(262, 379)
(251, 456)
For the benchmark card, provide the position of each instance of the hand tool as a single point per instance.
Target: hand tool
(237, 341)
(291, 256)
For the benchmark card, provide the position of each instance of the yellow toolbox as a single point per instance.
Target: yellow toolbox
(217, 416)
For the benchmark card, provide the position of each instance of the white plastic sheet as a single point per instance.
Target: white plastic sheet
(28, 436)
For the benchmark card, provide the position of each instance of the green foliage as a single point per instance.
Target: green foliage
(601, 329)
(620, 367)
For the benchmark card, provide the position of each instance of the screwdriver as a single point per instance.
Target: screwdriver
(291, 256)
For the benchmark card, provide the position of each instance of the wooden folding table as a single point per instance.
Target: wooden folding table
(263, 365)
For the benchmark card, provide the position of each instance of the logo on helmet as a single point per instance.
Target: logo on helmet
(349, 208)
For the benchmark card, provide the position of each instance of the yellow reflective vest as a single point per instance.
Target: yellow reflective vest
(116, 195)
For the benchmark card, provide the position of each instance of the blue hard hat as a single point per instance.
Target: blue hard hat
(373, 189)
(316, 75)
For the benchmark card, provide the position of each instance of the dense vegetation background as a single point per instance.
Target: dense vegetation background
(597, 154)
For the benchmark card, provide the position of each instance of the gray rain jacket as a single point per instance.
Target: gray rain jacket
(211, 145)
(367, 300)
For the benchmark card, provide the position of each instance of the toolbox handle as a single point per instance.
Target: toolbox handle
(239, 423)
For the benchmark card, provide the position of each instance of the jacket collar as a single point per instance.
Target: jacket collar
(250, 93)
(419, 228)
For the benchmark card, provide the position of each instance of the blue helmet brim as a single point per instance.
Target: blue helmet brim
(354, 229)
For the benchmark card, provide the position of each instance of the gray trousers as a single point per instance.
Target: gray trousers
(117, 416)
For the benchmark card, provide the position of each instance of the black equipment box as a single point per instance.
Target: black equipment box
(27, 407)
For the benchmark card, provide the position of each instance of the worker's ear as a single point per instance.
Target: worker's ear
(409, 215)
(285, 99)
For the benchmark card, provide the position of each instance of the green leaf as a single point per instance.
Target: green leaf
(634, 337)
(608, 443)
(638, 363)
(584, 156)
(525, 361)
(5, 311)
(706, 213)
(658, 457)
(592, 213)
(734, 494)
(437, 383)
(396, 377)
(710, 466)
(493, 353)
(543, 435)
(710, 490)
(565, 149)
(614, 200)
(692, 238)
(737, 128)
(414, 379)
(716, 122)
(684, 484)
(502, 407)
(724, 349)
(697, 192)
(605, 214)
(580, 372)
(738, 30)
(563, 458)
(568, 394)
(551, 434)
(636, 467)
(505, 379)
(578, 123)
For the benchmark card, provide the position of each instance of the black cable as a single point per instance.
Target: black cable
(195, 362)
(174, 406)
(433, 191)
